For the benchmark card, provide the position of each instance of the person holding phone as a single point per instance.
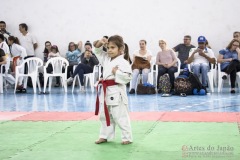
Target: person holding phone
(200, 58)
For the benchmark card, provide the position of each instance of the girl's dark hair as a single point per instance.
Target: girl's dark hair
(55, 47)
(105, 37)
(2, 37)
(88, 43)
(118, 40)
(126, 53)
(143, 41)
(24, 25)
(45, 49)
(71, 44)
(231, 43)
(14, 39)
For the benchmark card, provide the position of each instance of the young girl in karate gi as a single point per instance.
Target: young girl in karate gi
(113, 99)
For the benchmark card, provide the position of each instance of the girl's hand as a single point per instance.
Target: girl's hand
(114, 70)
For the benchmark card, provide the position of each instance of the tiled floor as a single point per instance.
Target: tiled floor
(57, 100)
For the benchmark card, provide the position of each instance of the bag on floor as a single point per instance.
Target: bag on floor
(146, 88)
(164, 83)
(182, 85)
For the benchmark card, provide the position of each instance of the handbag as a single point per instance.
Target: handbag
(140, 63)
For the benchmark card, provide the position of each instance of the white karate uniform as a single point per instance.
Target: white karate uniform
(116, 98)
(18, 50)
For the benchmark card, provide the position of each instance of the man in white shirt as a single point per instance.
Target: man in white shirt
(200, 58)
(27, 40)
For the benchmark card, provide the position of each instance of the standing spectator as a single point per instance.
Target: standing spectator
(73, 54)
(47, 50)
(201, 57)
(3, 30)
(27, 40)
(183, 50)
(141, 63)
(229, 59)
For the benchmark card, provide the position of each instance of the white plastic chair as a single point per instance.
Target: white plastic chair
(33, 64)
(210, 75)
(90, 77)
(176, 74)
(57, 63)
(1, 79)
(220, 80)
(5, 74)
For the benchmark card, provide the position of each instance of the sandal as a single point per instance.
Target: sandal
(126, 142)
(101, 140)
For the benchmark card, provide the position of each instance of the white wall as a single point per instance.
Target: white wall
(62, 21)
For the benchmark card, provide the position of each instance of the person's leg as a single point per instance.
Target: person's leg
(204, 72)
(171, 72)
(232, 66)
(161, 71)
(49, 68)
(69, 70)
(134, 79)
(196, 69)
(121, 117)
(106, 132)
(145, 75)
(233, 75)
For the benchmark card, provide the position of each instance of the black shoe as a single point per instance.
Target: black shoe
(159, 91)
(224, 77)
(132, 91)
(233, 91)
(57, 85)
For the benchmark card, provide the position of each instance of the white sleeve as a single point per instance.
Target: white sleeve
(191, 51)
(211, 53)
(22, 51)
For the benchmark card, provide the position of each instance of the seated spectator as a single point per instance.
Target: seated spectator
(229, 59)
(141, 63)
(200, 58)
(19, 53)
(54, 53)
(88, 61)
(167, 63)
(73, 54)
(183, 50)
(46, 51)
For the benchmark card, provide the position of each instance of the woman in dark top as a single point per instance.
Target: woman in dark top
(88, 61)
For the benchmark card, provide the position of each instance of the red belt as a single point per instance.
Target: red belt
(105, 84)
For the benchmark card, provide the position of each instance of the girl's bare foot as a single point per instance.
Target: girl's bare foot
(126, 142)
(101, 140)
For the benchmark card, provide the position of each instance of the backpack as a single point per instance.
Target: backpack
(164, 83)
(186, 82)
